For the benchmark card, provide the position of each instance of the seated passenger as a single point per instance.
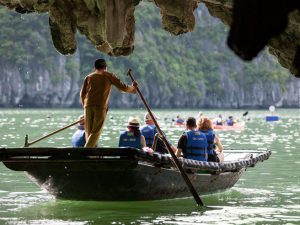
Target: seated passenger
(214, 146)
(150, 133)
(132, 137)
(148, 130)
(192, 143)
(78, 138)
(230, 121)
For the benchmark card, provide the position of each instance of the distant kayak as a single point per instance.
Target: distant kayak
(236, 126)
(179, 124)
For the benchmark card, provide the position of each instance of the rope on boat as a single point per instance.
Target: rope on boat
(227, 166)
(166, 161)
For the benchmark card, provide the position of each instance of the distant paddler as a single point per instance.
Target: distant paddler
(94, 95)
(230, 121)
(218, 121)
(178, 120)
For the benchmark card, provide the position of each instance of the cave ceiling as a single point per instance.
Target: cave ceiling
(110, 24)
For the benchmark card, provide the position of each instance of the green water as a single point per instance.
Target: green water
(269, 193)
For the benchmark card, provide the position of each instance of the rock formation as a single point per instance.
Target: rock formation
(110, 24)
(35, 75)
(255, 24)
(40, 89)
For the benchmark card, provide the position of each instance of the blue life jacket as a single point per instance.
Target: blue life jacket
(127, 139)
(179, 120)
(229, 122)
(78, 139)
(196, 146)
(148, 131)
(210, 137)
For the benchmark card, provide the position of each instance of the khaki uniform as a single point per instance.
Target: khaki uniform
(94, 97)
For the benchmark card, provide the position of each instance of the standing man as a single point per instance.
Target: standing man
(94, 97)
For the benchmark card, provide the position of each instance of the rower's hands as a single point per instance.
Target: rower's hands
(135, 84)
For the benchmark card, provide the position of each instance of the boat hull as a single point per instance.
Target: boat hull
(140, 182)
(125, 174)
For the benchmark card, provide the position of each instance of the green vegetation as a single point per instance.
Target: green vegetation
(184, 69)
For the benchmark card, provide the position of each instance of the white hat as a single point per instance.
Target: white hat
(147, 117)
(133, 122)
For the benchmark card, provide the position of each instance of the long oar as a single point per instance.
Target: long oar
(164, 139)
(27, 144)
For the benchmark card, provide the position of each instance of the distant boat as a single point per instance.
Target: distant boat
(272, 118)
(236, 126)
(124, 174)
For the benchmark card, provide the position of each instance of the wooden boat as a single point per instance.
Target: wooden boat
(237, 127)
(116, 174)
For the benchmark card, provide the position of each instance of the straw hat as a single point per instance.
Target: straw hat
(133, 122)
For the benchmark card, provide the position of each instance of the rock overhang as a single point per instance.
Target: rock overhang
(110, 24)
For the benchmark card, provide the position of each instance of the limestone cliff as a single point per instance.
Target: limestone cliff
(40, 89)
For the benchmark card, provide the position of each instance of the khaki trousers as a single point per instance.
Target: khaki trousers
(94, 123)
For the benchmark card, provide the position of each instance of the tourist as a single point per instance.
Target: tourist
(179, 120)
(230, 121)
(214, 146)
(153, 139)
(149, 129)
(94, 96)
(192, 144)
(218, 121)
(78, 138)
(132, 137)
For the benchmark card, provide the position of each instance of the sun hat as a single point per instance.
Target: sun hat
(133, 122)
(147, 117)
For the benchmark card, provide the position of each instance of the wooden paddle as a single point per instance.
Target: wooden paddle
(166, 142)
(245, 113)
(27, 144)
